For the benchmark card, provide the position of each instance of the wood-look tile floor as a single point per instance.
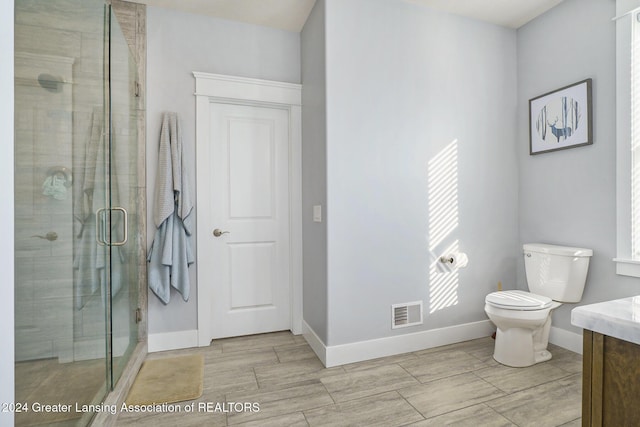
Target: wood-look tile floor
(458, 384)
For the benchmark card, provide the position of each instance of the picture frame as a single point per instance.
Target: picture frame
(561, 119)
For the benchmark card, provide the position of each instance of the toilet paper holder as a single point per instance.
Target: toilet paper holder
(455, 260)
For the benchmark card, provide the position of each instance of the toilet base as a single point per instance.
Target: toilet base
(539, 357)
(522, 347)
(543, 356)
(522, 336)
(514, 347)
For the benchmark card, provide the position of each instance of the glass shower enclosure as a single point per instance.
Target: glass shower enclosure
(77, 207)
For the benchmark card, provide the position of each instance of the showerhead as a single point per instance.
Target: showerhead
(50, 82)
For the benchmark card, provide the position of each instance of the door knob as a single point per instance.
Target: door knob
(217, 232)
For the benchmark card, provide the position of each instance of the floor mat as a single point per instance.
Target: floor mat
(168, 380)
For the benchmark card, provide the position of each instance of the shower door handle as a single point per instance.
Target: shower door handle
(101, 231)
(125, 225)
(101, 227)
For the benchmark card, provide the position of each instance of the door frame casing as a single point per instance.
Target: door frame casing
(218, 88)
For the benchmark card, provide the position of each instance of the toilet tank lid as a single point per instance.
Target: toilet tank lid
(557, 250)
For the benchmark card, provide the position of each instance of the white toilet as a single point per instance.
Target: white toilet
(555, 274)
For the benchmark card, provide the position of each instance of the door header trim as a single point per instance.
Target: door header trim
(247, 89)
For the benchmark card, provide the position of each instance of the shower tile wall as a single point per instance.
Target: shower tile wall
(65, 40)
(43, 141)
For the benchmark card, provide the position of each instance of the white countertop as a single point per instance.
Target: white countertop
(618, 318)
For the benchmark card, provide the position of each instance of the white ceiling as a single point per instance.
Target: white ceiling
(291, 15)
(508, 13)
(287, 15)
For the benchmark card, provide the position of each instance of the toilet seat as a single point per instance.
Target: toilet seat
(518, 300)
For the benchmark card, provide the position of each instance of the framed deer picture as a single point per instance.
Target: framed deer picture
(561, 119)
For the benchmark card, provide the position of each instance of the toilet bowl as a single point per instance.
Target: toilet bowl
(555, 275)
(523, 321)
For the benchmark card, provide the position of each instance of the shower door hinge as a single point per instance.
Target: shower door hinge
(138, 315)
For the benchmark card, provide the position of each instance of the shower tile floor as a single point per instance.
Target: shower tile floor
(47, 382)
(458, 384)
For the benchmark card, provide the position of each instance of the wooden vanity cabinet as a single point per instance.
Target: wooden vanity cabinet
(610, 381)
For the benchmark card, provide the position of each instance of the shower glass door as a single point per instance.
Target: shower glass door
(76, 202)
(125, 201)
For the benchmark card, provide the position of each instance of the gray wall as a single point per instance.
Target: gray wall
(314, 169)
(389, 88)
(178, 44)
(569, 197)
(6, 208)
(403, 82)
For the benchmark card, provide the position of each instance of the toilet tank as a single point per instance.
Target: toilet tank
(558, 272)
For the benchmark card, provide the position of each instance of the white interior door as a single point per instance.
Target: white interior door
(247, 258)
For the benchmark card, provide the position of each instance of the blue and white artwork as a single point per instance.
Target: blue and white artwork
(561, 119)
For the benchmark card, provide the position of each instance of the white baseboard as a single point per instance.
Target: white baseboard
(316, 344)
(372, 349)
(173, 340)
(566, 339)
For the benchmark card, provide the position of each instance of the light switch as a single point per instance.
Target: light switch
(317, 213)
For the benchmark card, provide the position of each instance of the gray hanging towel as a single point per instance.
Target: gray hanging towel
(90, 258)
(171, 255)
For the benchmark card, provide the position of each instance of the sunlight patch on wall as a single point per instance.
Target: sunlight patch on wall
(443, 221)
(443, 194)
